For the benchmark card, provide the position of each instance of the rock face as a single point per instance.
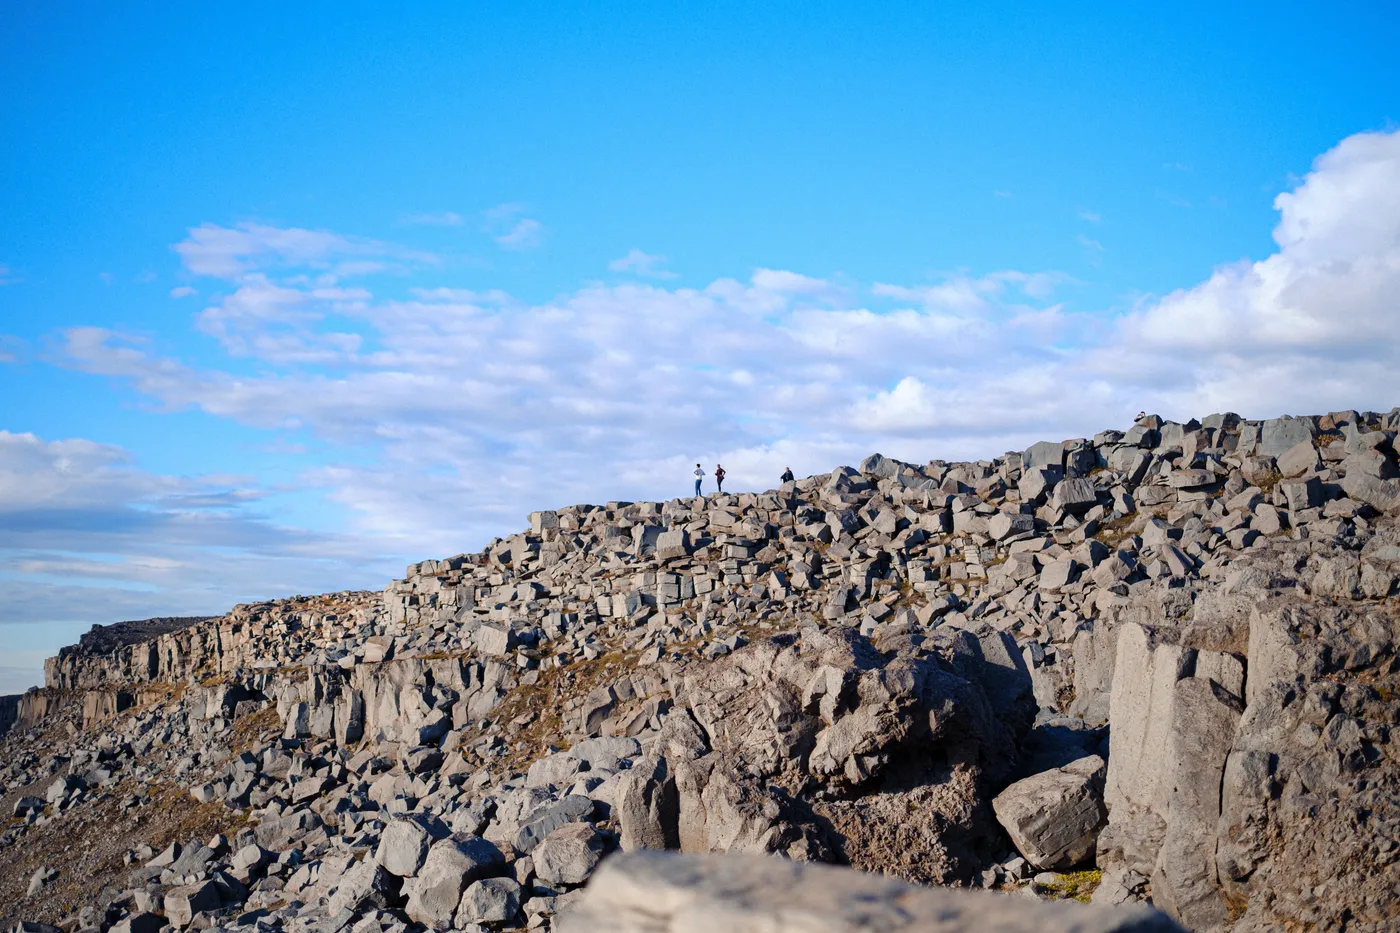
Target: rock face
(1166, 654)
(659, 893)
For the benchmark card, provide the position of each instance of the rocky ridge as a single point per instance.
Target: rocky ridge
(1164, 658)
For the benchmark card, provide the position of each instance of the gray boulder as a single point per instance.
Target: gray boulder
(182, 903)
(1054, 817)
(452, 864)
(666, 892)
(493, 901)
(403, 847)
(646, 806)
(569, 854)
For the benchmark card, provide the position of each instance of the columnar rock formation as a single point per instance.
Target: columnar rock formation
(1163, 657)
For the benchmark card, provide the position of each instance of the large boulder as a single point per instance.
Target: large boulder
(665, 892)
(451, 864)
(403, 846)
(1054, 817)
(568, 855)
(646, 806)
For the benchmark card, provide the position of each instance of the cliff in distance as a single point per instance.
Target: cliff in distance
(1155, 670)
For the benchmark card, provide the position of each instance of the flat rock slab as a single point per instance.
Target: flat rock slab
(667, 892)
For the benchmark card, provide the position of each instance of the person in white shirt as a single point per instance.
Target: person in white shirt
(699, 475)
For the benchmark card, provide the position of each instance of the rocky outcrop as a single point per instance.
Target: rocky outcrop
(1166, 653)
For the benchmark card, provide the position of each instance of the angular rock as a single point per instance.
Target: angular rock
(436, 891)
(182, 903)
(1054, 817)
(492, 901)
(568, 855)
(647, 807)
(403, 847)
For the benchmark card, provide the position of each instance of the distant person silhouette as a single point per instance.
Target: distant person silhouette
(719, 477)
(787, 475)
(699, 475)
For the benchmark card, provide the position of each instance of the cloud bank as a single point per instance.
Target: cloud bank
(451, 413)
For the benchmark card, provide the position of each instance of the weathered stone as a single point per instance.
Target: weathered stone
(1202, 732)
(403, 847)
(366, 885)
(1054, 817)
(1003, 525)
(1057, 574)
(646, 806)
(182, 903)
(494, 641)
(435, 893)
(1298, 459)
(673, 544)
(491, 901)
(1278, 435)
(650, 892)
(568, 855)
(569, 809)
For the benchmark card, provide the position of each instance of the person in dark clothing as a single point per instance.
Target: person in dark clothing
(719, 477)
(787, 475)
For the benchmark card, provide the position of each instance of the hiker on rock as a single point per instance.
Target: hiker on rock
(719, 477)
(787, 475)
(699, 475)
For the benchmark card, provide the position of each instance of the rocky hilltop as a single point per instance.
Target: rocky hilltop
(1154, 669)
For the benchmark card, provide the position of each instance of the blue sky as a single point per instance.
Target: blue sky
(291, 296)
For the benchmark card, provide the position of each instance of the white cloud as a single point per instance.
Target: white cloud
(1089, 216)
(182, 291)
(642, 264)
(6, 276)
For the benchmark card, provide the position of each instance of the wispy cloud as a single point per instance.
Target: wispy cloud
(511, 229)
(1177, 167)
(1093, 249)
(1002, 193)
(443, 219)
(182, 291)
(1089, 216)
(526, 233)
(642, 264)
(7, 275)
(232, 252)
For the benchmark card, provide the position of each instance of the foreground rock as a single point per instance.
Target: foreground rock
(669, 893)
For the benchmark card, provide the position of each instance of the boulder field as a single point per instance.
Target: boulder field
(1154, 670)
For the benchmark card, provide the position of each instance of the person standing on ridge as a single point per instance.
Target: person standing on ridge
(699, 475)
(787, 475)
(719, 477)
